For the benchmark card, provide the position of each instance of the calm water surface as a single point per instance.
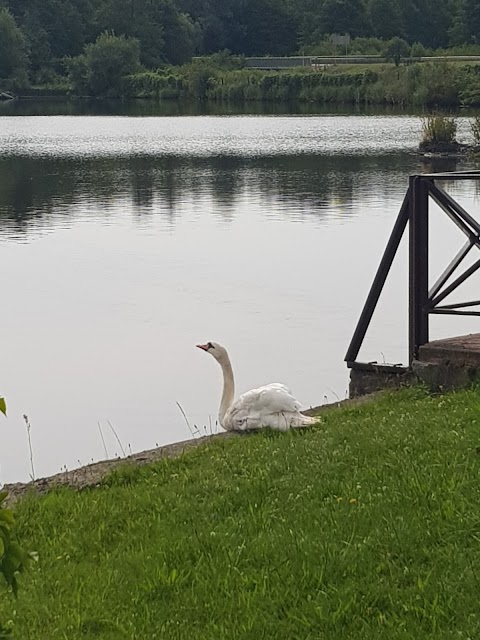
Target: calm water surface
(124, 241)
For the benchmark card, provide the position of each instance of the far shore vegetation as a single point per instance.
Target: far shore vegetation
(110, 68)
(196, 50)
(363, 527)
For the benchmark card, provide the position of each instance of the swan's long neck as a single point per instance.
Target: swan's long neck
(228, 388)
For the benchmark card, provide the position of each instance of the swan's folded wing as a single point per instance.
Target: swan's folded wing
(275, 385)
(273, 398)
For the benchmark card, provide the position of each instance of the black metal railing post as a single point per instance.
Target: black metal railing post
(422, 301)
(418, 264)
(378, 282)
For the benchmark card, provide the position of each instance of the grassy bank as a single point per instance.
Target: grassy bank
(366, 526)
(428, 84)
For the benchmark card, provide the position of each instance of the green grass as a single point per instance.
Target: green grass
(364, 527)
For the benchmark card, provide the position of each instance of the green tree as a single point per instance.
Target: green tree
(165, 33)
(108, 60)
(269, 29)
(171, 31)
(458, 33)
(179, 34)
(136, 19)
(471, 12)
(61, 20)
(78, 73)
(427, 21)
(396, 50)
(13, 57)
(384, 18)
(65, 27)
(343, 16)
(38, 42)
(220, 22)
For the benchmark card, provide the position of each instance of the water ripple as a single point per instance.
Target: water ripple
(246, 136)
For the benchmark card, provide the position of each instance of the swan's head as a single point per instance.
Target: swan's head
(215, 349)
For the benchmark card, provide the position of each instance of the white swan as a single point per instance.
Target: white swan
(270, 406)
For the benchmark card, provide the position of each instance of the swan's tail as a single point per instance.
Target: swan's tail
(302, 420)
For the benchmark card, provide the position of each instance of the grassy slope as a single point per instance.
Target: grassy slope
(367, 526)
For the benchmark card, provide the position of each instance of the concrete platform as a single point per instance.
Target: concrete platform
(460, 350)
(451, 363)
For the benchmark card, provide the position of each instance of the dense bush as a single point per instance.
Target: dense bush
(102, 69)
(434, 84)
(157, 84)
(198, 77)
(469, 83)
(13, 559)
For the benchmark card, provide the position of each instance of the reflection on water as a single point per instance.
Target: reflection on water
(40, 192)
(105, 107)
(261, 233)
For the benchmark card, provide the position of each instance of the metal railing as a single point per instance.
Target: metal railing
(423, 301)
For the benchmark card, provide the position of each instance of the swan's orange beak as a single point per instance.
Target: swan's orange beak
(203, 346)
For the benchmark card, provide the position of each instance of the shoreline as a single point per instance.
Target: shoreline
(91, 475)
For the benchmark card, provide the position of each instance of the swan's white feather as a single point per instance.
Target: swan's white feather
(272, 405)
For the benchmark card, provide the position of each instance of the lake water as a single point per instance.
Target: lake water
(125, 240)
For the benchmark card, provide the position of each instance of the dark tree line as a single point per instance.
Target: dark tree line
(37, 35)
